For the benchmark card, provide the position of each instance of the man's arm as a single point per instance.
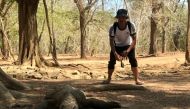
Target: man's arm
(112, 45)
(133, 44)
(134, 39)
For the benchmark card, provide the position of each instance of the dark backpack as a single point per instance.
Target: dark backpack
(116, 24)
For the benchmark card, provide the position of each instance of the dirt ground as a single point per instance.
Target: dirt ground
(167, 80)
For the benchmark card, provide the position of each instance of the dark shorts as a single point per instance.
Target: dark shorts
(119, 50)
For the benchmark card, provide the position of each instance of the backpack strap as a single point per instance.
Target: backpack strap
(130, 29)
(115, 27)
(129, 26)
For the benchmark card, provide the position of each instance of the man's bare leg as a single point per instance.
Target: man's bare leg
(136, 75)
(110, 72)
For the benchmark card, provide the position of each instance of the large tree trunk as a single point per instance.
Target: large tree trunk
(187, 53)
(28, 45)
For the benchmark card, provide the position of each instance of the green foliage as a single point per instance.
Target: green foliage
(12, 26)
(67, 29)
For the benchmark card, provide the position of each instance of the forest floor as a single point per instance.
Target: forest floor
(166, 78)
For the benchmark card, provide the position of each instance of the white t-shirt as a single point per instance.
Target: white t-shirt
(122, 37)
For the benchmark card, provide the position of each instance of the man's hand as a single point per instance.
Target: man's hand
(118, 57)
(125, 53)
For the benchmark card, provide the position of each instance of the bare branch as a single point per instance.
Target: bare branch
(79, 5)
(9, 5)
(90, 5)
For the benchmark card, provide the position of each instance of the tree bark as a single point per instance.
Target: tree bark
(152, 49)
(5, 95)
(54, 52)
(163, 40)
(11, 83)
(187, 53)
(164, 35)
(9, 91)
(66, 50)
(28, 36)
(83, 35)
(176, 37)
(4, 50)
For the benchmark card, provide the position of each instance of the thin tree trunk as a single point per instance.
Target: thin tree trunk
(83, 35)
(67, 45)
(4, 50)
(163, 40)
(54, 52)
(52, 46)
(164, 35)
(187, 53)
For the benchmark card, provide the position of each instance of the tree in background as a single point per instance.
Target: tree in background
(154, 21)
(52, 48)
(6, 47)
(85, 18)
